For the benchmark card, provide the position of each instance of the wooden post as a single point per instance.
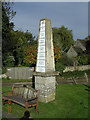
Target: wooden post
(7, 72)
(2, 98)
(26, 106)
(86, 76)
(37, 100)
(12, 89)
(74, 80)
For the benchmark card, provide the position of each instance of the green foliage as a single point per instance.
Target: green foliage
(75, 74)
(7, 26)
(24, 40)
(19, 41)
(60, 67)
(63, 62)
(66, 60)
(27, 64)
(14, 42)
(8, 62)
(83, 60)
(63, 37)
(88, 58)
(4, 70)
(4, 119)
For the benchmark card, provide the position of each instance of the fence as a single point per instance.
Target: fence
(20, 72)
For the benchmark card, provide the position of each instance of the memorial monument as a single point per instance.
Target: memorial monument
(45, 68)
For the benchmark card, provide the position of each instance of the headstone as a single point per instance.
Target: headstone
(45, 68)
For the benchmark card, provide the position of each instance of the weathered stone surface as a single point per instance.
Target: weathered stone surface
(47, 99)
(45, 69)
(46, 74)
(46, 85)
(45, 47)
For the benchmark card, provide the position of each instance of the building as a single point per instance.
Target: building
(79, 48)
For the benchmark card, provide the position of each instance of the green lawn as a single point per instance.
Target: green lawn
(71, 102)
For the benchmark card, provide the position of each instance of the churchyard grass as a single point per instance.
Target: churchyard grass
(71, 102)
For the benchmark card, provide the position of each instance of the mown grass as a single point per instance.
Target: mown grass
(71, 102)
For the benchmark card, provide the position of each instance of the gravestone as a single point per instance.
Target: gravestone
(45, 68)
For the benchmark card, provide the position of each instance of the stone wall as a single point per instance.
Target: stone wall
(79, 68)
(20, 72)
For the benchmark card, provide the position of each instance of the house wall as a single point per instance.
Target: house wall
(79, 44)
(71, 53)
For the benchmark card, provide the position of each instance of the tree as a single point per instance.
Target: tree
(83, 60)
(63, 37)
(20, 41)
(7, 26)
(14, 42)
(30, 38)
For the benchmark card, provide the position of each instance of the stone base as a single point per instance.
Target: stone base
(46, 85)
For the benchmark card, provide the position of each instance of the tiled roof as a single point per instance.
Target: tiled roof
(78, 50)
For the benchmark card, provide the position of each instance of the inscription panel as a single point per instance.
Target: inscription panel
(41, 56)
(42, 43)
(42, 40)
(40, 62)
(41, 49)
(40, 69)
(42, 34)
(42, 29)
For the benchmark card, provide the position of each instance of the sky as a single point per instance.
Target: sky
(73, 15)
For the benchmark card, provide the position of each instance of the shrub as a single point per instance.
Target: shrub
(75, 74)
(4, 70)
(82, 60)
(60, 67)
(66, 60)
(8, 62)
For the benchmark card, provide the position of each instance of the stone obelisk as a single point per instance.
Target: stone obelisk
(45, 67)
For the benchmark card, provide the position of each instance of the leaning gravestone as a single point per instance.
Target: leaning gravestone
(45, 69)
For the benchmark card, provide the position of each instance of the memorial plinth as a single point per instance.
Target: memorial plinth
(45, 68)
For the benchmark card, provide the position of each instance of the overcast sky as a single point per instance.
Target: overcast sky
(73, 15)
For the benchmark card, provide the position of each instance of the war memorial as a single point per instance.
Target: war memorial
(45, 68)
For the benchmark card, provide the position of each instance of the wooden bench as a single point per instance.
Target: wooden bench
(23, 95)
